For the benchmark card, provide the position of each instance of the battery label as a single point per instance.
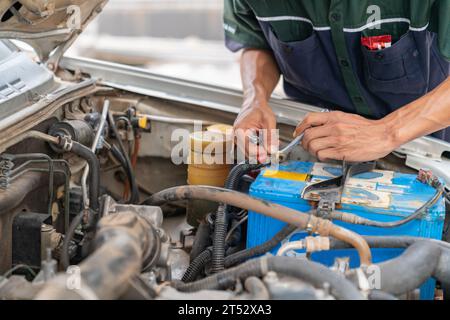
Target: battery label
(285, 175)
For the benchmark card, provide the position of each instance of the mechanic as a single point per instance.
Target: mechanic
(382, 65)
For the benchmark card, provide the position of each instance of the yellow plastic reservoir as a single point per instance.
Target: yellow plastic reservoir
(210, 160)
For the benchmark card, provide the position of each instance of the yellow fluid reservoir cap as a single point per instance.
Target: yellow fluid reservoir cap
(143, 122)
(214, 142)
(221, 128)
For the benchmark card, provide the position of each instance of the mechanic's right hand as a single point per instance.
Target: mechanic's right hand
(255, 119)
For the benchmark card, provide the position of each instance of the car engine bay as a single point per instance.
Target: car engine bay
(94, 207)
(118, 230)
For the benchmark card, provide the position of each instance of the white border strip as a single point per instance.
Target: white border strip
(362, 28)
(292, 18)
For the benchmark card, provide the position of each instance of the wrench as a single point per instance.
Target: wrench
(283, 154)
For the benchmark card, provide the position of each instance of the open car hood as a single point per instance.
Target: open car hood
(49, 26)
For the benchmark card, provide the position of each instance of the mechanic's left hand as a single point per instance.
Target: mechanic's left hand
(342, 136)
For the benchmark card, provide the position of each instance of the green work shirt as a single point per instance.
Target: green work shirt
(317, 45)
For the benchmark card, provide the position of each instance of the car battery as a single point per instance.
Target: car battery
(376, 195)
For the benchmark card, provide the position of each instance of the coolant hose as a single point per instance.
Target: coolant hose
(94, 172)
(420, 261)
(257, 289)
(125, 242)
(314, 273)
(290, 216)
(410, 270)
(389, 242)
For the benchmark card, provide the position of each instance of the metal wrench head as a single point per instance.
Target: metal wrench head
(283, 154)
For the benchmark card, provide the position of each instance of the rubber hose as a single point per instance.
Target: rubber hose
(65, 255)
(201, 241)
(257, 289)
(246, 254)
(205, 257)
(94, 172)
(134, 197)
(297, 218)
(234, 178)
(125, 242)
(197, 265)
(410, 270)
(314, 273)
(388, 242)
(220, 232)
(223, 216)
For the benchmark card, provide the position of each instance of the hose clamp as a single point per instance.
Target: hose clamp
(309, 225)
(66, 143)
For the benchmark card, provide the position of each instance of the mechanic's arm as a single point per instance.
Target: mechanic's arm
(342, 136)
(260, 76)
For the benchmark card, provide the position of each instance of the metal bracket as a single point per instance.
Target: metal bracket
(329, 192)
(6, 166)
(327, 204)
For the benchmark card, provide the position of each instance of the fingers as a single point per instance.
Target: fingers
(313, 120)
(315, 133)
(249, 146)
(255, 134)
(242, 143)
(317, 145)
(330, 154)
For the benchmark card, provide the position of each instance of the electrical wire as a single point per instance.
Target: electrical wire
(354, 219)
(8, 273)
(134, 198)
(237, 225)
(65, 256)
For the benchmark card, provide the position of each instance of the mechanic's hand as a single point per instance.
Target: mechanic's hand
(342, 136)
(253, 119)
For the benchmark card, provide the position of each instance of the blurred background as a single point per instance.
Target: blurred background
(180, 38)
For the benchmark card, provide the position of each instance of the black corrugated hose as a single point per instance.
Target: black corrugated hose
(220, 232)
(222, 216)
(196, 266)
(204, 258)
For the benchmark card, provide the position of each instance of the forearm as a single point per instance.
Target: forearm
(260, 76)
(424, 116)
